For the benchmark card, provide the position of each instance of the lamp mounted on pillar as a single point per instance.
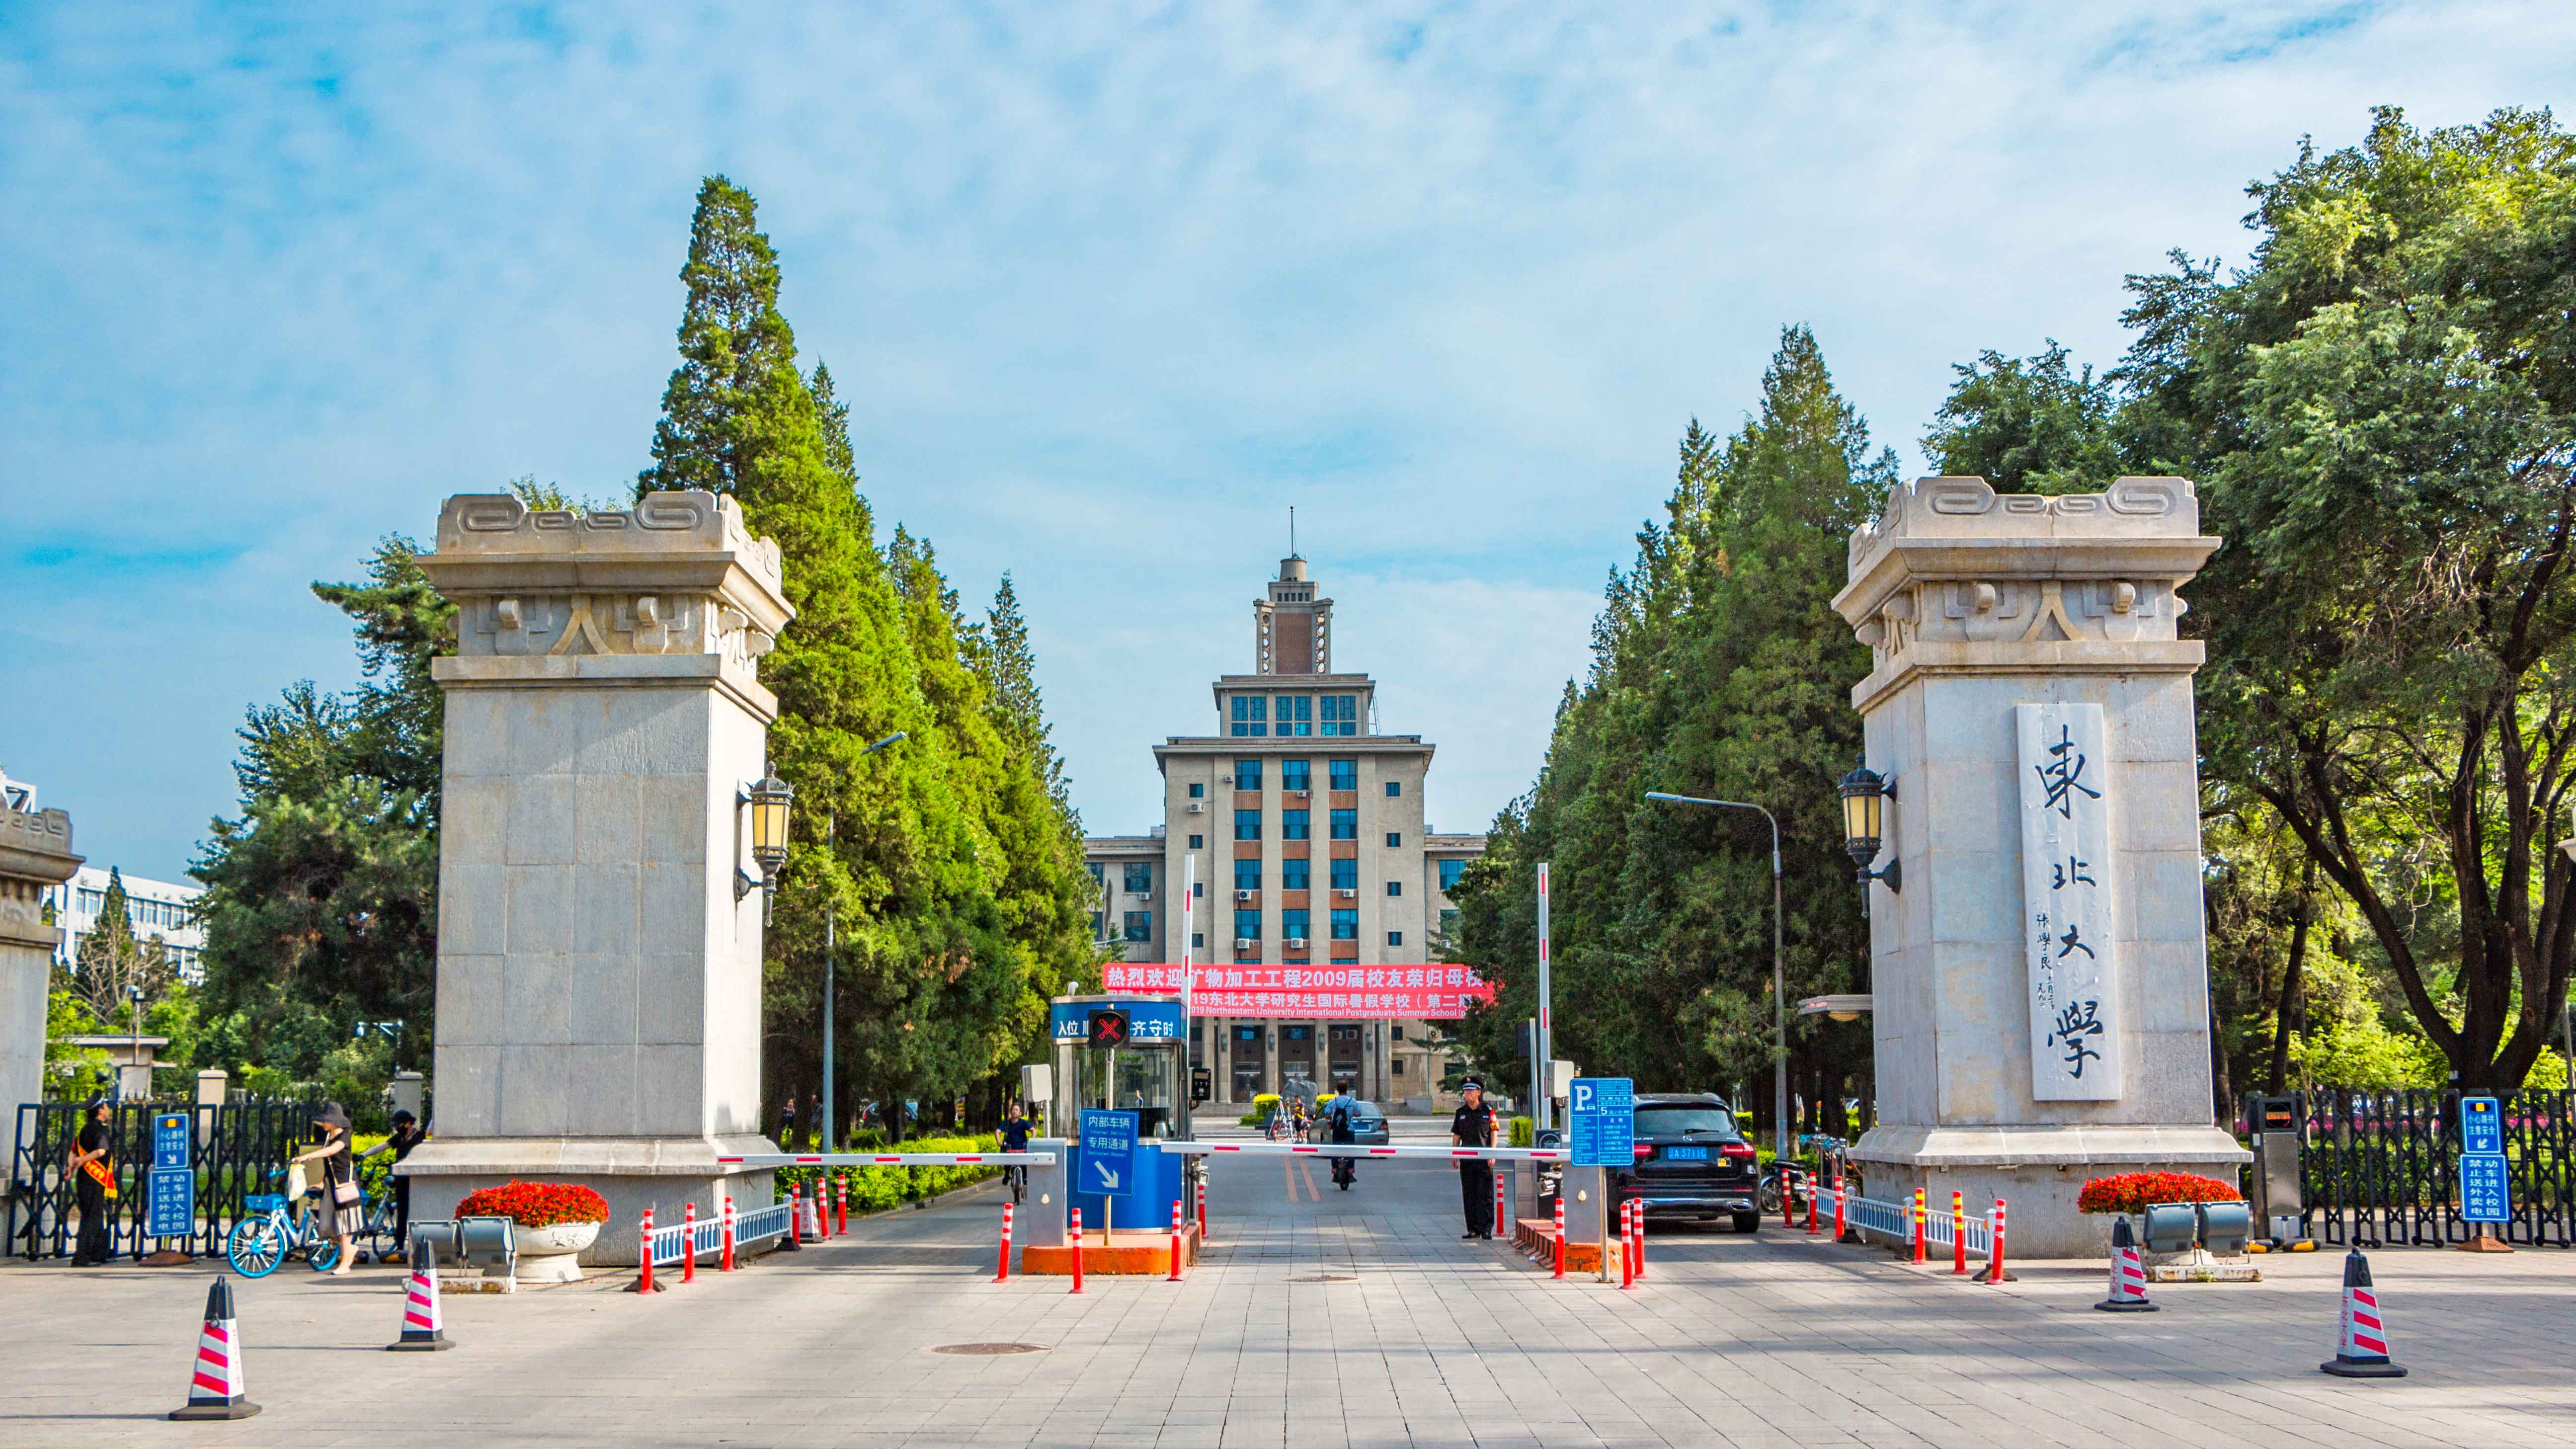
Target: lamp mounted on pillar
(1863, 790)
(769, 798)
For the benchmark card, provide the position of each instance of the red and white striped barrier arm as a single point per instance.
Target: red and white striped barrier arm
(889, 1159)
(1352, 1149)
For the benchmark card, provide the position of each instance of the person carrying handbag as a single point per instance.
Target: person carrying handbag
(342, 1212)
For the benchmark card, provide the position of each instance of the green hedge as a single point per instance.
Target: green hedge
(874, 1189)
(1522, 1133)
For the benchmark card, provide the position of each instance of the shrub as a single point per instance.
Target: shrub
(1521, 1133)
(536, 1204)
(2131, 1192)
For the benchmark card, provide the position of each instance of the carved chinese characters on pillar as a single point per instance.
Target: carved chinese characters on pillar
(2067, 910)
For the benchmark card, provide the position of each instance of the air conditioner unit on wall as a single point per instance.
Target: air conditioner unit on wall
(1198, 807)
(1243, 943)
(1348, 893)
(1296, 943)
(1243, 895)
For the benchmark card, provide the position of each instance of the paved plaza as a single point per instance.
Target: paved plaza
(1415, 1339)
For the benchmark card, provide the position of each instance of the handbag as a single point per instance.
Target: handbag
(345, 1192)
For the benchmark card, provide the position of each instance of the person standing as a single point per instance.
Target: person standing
(341, 1215)
(407, 1134)
(1014, 1137)
(787, 1123)
(1337, 1120)
(1473, 1126)
(93, 1174)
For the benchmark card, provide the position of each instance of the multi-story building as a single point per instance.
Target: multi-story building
(1318, 891)
(154, 907)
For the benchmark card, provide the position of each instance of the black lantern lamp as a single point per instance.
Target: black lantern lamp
(769, 798)
(1863, 791)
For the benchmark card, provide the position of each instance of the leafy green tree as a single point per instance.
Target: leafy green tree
(112, 962)
(1720, 670)
(2029, 425)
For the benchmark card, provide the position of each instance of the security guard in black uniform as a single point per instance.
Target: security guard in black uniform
(1473, 1126)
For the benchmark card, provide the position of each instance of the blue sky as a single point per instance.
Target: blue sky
(1109, 289)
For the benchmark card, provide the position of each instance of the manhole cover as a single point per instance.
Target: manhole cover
(1327, 1278)
(988, 1350)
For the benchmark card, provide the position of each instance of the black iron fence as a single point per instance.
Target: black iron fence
(234, 1148)
(2381, 1169)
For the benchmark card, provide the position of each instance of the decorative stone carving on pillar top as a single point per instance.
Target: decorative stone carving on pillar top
(2041, 991)
(599, 1002)
(35, 856)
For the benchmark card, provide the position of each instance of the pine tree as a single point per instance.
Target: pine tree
(113, 961)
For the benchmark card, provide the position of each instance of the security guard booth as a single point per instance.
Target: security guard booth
(1127, 1052)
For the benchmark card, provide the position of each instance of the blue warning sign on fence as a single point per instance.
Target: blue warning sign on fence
(2486, 1193)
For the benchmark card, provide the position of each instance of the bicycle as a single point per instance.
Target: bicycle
(260, 1245)
(1016, 1176)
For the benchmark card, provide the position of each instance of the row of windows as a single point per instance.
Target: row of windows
(1296, 825)
(1253, 715)
(1296, 875)
(1293, 926)
(168, 915)
(1299, 775)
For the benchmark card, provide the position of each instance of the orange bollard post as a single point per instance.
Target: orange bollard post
(689, 1244)
(1204, 1239)
(1502, 1223)
(1077, 1250)
(1560, 1236)
(1812, 1206)
(1919, 1221)
(1838, 1208)
(1176, 1242)
(1637, 1235)
(1004, 1274)
(1959, 1233)
(1995, 1272)
(644, 1254)
(1788, 1196)
(728, 1233)
(1627, 1259)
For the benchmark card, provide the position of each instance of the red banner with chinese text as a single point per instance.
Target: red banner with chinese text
(1426, 992)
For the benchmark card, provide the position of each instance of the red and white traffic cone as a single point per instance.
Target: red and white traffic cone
(1077, 1251)
(424, 1329)
(1176, 1242)
(1994, 1272)
(217, 1389)
(1560, 1235)
(1004, 1274)
(728, 1233)
(2128, 1274)
(2361, 1344)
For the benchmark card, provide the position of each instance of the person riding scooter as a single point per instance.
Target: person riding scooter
(1337, 1118)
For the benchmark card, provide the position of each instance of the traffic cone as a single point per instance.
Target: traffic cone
(2128, 1274)
(424, 1330)
(2361, 1345)
(217, 1390)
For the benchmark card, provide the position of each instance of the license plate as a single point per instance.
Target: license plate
(1686, 1154)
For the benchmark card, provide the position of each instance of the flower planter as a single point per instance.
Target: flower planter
(553, 1255)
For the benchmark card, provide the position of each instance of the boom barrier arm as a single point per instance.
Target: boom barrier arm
(1353, 1149)
(889, 1159)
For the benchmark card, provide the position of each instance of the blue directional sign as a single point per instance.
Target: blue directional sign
(1604, 1110)
(1108, 1154)
(170, 1203)
(1151, 1021)
(171, 1143)
(2486, 1192)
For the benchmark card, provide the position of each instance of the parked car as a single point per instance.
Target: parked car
(1368, 1124)
(1691, 1162)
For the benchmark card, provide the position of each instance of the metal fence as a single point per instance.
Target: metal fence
(2381, 1169)
(236, 1146)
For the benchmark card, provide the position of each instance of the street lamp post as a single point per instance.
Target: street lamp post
(1779, 997)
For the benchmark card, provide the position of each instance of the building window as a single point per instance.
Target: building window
(1346, 825)
(1140, 925)
(1450, 870)
(1301, 709)
(1395, 887)
(1394, 788)
(1395, 1032)
(1247, 774)
(1341, 714)
(1394, 838)
(1399, 1061)
(1100, 925)
(1198, 940)
(1247, 825)
(1292, 824)
(1140, 877)
(1247, 925)
(1292, 925)
(1198, 842)
(1395, 938)
(1198, 890)
(1252, 714)
(1449, 923)
(1296, 774)
(1346, 925)
(1293, 874)
(1346, 875)
(1197, 790)
(1346, 774)
(1096, 869)
(1247, 875)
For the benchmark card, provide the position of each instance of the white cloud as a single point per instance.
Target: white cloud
(1109, 287)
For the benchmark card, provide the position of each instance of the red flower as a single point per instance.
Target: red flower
(536, 1204)
(2131, 1192)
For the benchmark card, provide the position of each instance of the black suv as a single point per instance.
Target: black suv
(1691, 1162)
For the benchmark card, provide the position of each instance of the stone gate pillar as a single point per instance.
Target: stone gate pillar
(2041, 985)
(598, 974)
(35, 856)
